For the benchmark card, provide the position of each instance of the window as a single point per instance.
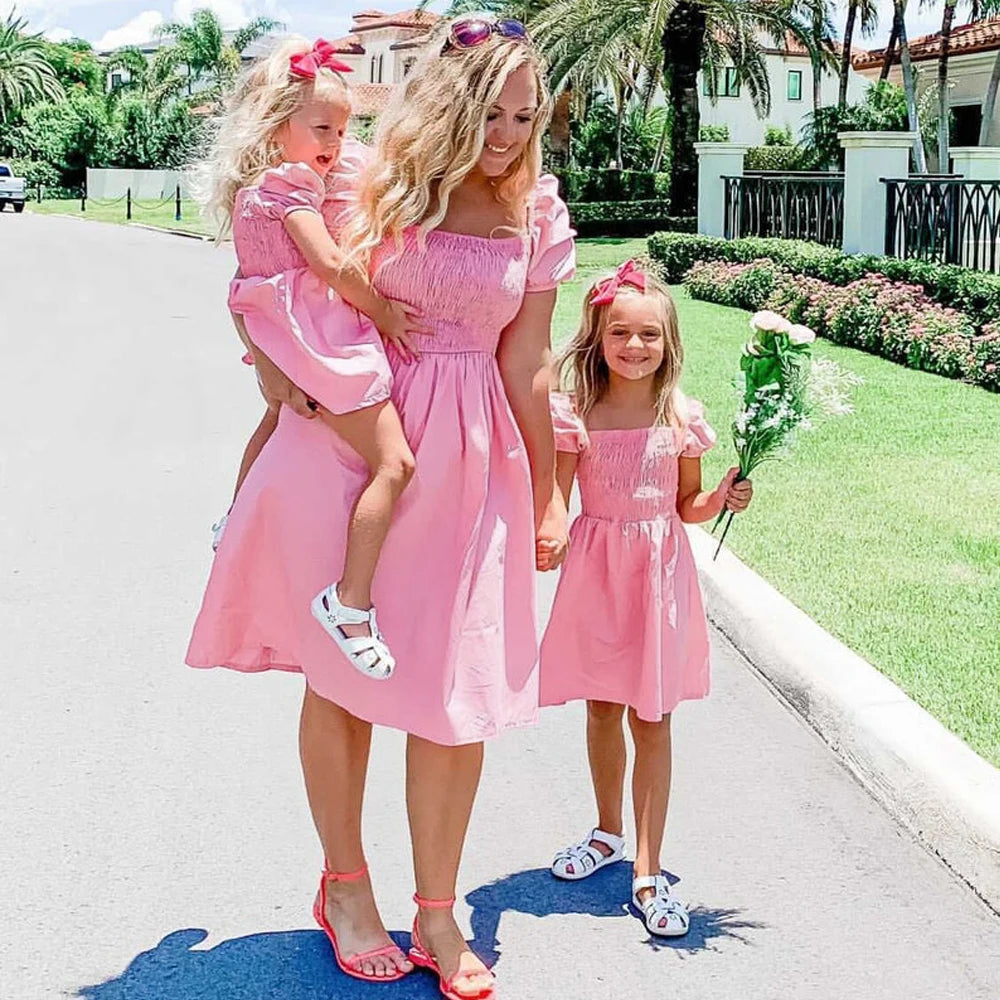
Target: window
(730, 83)
(795, 85)
(408, 65)
(4, 170)
(116, 80)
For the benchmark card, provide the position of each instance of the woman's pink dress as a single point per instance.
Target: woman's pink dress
(325, 346)
(627, 625)
(455, 586)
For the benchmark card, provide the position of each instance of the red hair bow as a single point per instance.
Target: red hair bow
(322, 56)
(628, 274)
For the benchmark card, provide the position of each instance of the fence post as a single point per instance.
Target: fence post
(715, 161)
(128, 204)
(177, 211)
(868, 157)
(976, 163)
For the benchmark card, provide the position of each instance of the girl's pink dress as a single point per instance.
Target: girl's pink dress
(628, 625)
(455, 586)
(325, 346)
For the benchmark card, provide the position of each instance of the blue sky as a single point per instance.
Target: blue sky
(118, 22)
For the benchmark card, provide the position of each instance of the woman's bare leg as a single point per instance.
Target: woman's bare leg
(441, 785)
(334, 747)
(650, 790)
(255, 445)
(606, 754)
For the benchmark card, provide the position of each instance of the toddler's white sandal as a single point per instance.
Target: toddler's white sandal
(664, 915)
(368, 653)
(218, 530)
(582, 859)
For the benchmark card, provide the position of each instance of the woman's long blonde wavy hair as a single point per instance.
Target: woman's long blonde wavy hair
(431, 136)
(265, 96)
(582, 370)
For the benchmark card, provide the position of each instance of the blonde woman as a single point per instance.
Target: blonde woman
(451, 215)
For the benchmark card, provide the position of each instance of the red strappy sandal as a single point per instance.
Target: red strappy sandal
(420, 956)
(350, 965)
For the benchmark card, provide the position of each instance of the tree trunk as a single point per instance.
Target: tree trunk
(817, 61)
(662, 144)
(990, 103)
(910, 89)
(683, 41)
(943, 112)
(845, 57)
(890, 49)
(817, 74)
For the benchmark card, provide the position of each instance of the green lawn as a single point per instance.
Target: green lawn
(881, 526)
(150, 213)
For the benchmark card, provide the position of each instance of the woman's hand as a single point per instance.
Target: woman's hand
(552, 537)
(399, 323)
(734, 496)
(277, 389)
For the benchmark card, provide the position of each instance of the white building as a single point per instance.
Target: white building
(790, 74)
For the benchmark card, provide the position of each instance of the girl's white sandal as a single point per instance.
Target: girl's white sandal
(664, 915)
(582, 859)
(368, 653)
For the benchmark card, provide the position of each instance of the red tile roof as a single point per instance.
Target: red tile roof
(793, 47)
(348, 46)
(981, 36)
(370, 98)
(372, 19)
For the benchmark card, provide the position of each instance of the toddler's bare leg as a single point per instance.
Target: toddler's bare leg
(606, 753)
(258, 439)
(650, 789)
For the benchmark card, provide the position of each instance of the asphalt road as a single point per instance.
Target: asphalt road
(154, 837)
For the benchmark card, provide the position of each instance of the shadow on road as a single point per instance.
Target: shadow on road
(603, 894)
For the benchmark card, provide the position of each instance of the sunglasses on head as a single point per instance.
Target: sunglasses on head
(468, 32)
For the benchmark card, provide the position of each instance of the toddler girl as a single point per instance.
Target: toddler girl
(628, 630)
(301, 301)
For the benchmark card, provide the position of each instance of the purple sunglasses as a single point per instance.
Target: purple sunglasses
(468, 32)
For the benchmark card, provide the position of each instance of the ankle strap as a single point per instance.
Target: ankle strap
(344, 876)
(433, 904)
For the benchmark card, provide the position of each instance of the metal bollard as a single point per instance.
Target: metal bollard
(177, 209)
(83, 199)
(128, 204)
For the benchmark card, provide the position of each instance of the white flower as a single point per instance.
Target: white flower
(799, 334)
(752, 348)
(765, 320)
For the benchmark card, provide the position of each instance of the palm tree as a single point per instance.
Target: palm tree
(25, 74)
(158, 79)
(819, 42)
(990, 8)
(947, 19)
(909, 86)
(867, 10)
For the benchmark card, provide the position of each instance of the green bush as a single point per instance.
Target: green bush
(975, 293)
(35, 172)
(776, 158)
(774, 135)
(713, 133)
(626, 218)
(613, 185)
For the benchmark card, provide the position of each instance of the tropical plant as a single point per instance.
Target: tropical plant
(867, 12)
(990, 8)
(819, 41)
(76, 65)
(26, 76)
(158, 80)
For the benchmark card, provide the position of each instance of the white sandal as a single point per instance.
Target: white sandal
(665, 916)
(368, 653)
(582, 859)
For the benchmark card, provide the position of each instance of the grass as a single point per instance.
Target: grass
(881, 525)
(150, 213)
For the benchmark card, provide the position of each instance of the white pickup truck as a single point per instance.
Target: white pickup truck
(11, 189)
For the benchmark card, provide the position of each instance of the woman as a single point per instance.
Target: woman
(451, 215)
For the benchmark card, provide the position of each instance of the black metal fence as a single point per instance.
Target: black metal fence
(950, 221)
(798, 206)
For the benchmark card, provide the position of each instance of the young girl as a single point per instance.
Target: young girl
(301, 302)
(627, 628)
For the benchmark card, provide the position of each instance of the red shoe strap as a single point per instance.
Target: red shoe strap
(433, 904)
(344, 876)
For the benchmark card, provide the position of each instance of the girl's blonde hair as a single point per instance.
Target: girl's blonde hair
(265, 96)
(582, 369)
(431, 136)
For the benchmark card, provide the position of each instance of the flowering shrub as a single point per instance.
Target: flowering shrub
(986, 357)
(746, 286)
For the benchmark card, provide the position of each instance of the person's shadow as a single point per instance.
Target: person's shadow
(299, 965)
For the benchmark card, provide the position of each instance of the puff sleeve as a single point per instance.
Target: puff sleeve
(571, 435)
(290, 187)
(553, 250)
(698, 436)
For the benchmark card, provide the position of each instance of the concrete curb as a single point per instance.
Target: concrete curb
(927, 778)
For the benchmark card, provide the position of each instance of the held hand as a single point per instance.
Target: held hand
(277, 389)
(399, 323)
(552, 537)
(734, 496)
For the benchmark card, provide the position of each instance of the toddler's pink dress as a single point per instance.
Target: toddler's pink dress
(455, 585)
(628, 624)
(324, 345)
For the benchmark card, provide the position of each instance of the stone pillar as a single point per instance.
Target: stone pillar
(868, 157)
(976, 163)
(715, 161)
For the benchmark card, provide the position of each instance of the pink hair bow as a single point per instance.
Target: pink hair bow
(322, 56)
(627, 274)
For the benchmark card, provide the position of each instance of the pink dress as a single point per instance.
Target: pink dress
(627, 625)
(455, 586)
(325, 346)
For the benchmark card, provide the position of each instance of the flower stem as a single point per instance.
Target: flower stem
(725, 531)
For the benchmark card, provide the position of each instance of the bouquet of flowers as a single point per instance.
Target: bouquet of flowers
(783, 389)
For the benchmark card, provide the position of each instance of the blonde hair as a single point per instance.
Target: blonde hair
(431, 136)
(583, 370)
(265, 96)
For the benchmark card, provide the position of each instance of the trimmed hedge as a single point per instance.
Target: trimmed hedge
(626, 218)
(612, 185)
(875, 314)
(776, 158)
(975, 293)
